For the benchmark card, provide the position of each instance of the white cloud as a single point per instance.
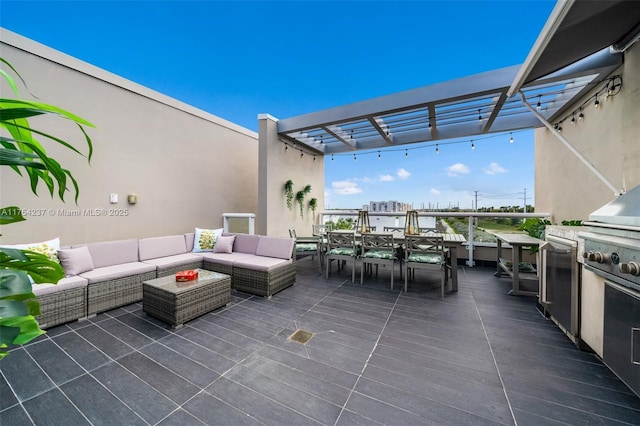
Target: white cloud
(494, 168)
(434, 191)
(386, 178)
(346, 187)
(457, 169)
(365, 179)
(403, 174)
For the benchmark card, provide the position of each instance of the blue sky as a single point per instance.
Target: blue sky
(238, 59)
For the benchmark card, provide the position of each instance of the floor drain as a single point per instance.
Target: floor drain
(301, 336)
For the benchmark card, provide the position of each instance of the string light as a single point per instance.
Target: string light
(301, 154)
(539, 105)
(573, 119)
(406, 153)
(354, 158)
(581, 115)
(437, 149)
(473, 146)
(321, 141)
(597, 102)
(331, 157)
(314, 158)
(479, 115)
(510, 137)
(286, 147)
(379, 156)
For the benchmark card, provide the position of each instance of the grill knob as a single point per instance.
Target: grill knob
(632, 268)
(596, 256)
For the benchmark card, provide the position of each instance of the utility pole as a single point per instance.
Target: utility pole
(525, 200)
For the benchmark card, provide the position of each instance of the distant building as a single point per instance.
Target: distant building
(388, 206)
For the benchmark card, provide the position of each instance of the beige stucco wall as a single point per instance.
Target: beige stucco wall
(276, 167)
(186, 166)
(608, 137)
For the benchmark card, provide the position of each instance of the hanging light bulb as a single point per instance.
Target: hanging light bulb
(321, 141)
(379, 155)
(573, 119)
(473, 146)
(314, 158)
(437, 149)
(539, 105)
(581, 115)
(510, 137)
(331, 157)
(301, 154)
(597, 102)
(559, 128)
(286, 147)
(406, 152)
(479, 115)
(354, 158)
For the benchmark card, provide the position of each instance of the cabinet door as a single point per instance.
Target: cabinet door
(621, 349)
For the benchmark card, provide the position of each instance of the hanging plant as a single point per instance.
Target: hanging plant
(307, 189)
(300, 199)
(313, 204)
(288, 192)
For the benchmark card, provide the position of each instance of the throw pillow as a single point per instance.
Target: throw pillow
(48, 248)
(205, 239)
(224, 244)
(76, 260)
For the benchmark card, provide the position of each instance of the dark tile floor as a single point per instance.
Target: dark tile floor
(376, 357)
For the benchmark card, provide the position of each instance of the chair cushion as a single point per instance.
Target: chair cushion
(431, 258)
(246, 243)
(261, 263)
(342, 251)
(225, 258)
(306, 247)
(170, 261)
(75, 261)
(380, 254)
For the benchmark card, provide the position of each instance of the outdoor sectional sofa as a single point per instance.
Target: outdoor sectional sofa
(105, 275)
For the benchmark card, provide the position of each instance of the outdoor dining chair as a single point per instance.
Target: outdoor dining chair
(341, 247)
(425, 252)
(305, 246)
(377, 249)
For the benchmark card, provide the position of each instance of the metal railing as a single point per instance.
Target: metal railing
(328, 215)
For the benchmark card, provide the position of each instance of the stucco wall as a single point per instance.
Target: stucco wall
(608, 137)
(276, 167)
(186, 166)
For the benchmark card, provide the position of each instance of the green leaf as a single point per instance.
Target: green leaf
(28, 326)
(38, 266)
(14, 284)
(51, 109)
(14, 113)
(8, 335)
(12, 308)
(11, 214)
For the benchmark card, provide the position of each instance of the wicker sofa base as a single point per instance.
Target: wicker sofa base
(263, 283)
(115, 293)
(165, 272)
(218, 267)
(62, 306)
(176, 309)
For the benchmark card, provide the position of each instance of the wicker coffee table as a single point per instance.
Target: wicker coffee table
(178, 302)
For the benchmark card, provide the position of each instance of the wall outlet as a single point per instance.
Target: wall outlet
(113, 198)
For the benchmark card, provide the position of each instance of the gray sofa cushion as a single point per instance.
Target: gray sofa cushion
(75, 260)
(108, 273)
(178, 259)
(108, 253)
(188, 240)
(226, 258)
(246, 243)
(63, 284)
(279, 247)
(170, 245)
(261, 263)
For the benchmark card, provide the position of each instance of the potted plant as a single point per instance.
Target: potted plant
(288, 192)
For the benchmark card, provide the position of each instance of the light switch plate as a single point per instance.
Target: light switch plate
(113, 198)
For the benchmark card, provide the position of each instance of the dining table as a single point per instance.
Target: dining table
(451, 242)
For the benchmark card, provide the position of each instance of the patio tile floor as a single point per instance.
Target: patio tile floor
(377, 356)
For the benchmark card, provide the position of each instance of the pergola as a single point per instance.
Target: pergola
(571, 57)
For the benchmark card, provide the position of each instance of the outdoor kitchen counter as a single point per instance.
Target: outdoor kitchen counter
(520, 274)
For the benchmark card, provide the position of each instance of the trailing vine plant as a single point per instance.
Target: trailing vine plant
(288, 192)
(300, 199)
(313, 204)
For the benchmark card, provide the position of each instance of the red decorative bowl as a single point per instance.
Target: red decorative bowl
(189, 275)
